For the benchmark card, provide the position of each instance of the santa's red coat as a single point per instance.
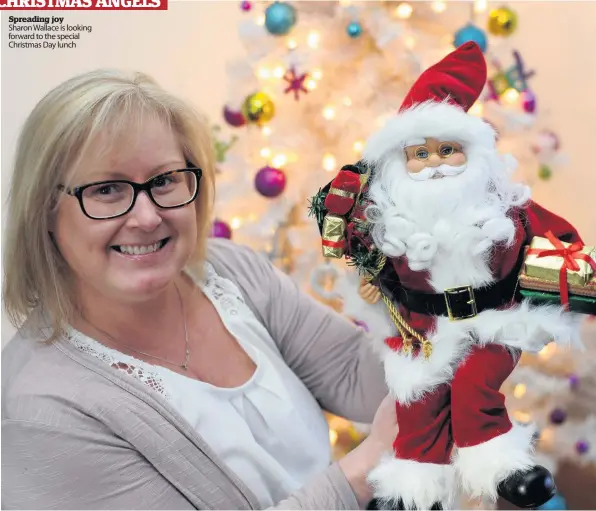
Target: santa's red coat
(466, 409)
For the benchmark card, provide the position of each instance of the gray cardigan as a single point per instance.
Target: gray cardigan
(78, 435)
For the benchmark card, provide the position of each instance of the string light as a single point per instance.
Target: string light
(333, 436)
(523, 417)
(410, 42)
(519, 391)
(279, 160)
(439, 6)
(546, 437)
(279, 71)
(311, 84)
(266, 152)
(345, 3)
(480, 5)
(329, 162)
(329, 113)
(477, 109)
(358, 146)
(236, 222)
(548, 351)
(261, 20)
(266, 131)
(404, 11)
(292, 44)
(264, 73)
(313, 39)
(347, 101)
(511, 95)
(317, 74)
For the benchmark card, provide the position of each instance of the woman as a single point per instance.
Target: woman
(176, 373)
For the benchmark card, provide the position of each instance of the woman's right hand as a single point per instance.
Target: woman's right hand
(358, 463)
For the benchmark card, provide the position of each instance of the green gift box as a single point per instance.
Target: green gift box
(577, 303)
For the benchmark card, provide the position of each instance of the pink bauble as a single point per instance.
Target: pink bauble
(234, 117)
(220, 229)
(246, 5)
(528, 101)
(546, 142)
(270, 182)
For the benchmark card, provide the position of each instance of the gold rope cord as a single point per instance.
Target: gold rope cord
(401, 324)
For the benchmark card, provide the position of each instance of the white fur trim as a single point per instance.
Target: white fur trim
(443, 121)
(419, 485)
(410, 378)
(482, 467)
(529, 328)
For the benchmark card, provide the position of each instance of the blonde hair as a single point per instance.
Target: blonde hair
(55, 137)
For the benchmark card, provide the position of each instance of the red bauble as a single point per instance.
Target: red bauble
(234, 118)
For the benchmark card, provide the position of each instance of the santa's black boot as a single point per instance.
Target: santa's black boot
(396, 505)
(528, 489)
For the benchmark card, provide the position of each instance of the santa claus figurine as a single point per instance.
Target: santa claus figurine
(449, 227)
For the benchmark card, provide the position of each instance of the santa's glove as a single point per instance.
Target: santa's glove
(420, 251)
(343, 192)
(499, 229)
(397, 231)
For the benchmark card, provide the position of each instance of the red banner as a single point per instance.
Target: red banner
(78, 5)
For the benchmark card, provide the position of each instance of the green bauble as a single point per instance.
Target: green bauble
(545, 172)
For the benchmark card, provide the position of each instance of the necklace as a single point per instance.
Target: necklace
(184, 365)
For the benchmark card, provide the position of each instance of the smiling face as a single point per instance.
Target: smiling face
(137, 255)
(434, 159)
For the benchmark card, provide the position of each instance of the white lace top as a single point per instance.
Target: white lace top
(270, 431)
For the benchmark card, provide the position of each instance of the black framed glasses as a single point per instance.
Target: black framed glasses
(110, 199)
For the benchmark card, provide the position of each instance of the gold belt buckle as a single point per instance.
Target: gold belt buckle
(459, 298)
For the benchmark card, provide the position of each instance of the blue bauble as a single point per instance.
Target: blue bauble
(557, 503)
(471, 33)
(280, 17)
(354, 29)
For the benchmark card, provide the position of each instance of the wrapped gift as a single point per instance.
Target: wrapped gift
(334, 236)
(577, 303)
(343, 192)
(548, 257)
(570, 283)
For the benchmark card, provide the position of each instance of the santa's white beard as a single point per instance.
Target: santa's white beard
(448, 225)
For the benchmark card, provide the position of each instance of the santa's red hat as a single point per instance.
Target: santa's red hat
(437, 104)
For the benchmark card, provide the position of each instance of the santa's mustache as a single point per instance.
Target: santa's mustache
(435, 172)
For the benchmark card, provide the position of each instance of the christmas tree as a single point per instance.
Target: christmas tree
(316, 80)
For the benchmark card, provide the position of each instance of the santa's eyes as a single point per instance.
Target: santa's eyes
(445, 150)
(422, 153)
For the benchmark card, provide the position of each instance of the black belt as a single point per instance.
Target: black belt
(460, 302)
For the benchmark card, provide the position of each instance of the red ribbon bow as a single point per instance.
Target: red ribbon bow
(569, 255)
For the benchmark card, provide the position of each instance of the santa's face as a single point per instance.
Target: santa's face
(435, 159)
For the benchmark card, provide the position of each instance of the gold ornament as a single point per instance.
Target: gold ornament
(258, 108)
(502, 22)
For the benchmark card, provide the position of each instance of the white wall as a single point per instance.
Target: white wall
(186, 49)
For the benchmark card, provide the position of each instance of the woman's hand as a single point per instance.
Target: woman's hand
(357, 464)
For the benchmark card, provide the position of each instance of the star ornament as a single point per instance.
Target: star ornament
(295, 83)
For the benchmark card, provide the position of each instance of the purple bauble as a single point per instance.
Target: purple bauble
(528, 101)
(558, 416)
(270, 182)
(246, 5)
(574, 381)
(234, 118)
(221, 230)
(582, 446)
